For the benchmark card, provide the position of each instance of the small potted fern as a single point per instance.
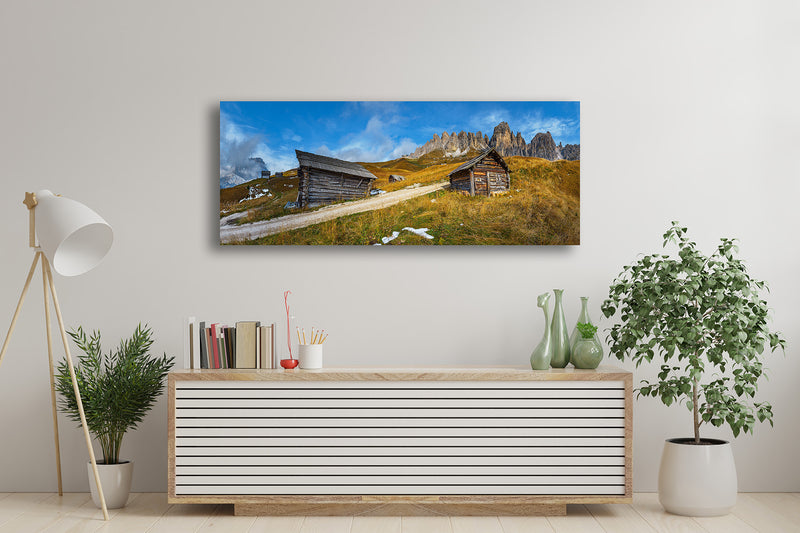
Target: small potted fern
(117, 390)
(704, 318)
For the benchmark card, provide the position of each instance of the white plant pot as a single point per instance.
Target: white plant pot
(697, 480)
(310, 356)
(116, 482)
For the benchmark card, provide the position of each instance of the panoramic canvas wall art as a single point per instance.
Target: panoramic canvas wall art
(399, 173)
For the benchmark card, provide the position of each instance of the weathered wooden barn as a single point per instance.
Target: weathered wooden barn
(484, 175)
(323, 180)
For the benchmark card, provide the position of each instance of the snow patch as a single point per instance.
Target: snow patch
(254, 193)
(390, 238)
(422, 232)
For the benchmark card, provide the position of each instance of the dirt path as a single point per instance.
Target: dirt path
(228, 232)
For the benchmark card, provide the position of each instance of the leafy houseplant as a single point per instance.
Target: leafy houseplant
(117, 389)
(705, 316)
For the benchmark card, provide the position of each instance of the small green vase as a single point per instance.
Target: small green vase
(540, 358)
(583, 318)
(587, 353)
(558, 334)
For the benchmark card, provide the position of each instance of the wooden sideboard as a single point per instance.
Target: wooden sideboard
(338, 441)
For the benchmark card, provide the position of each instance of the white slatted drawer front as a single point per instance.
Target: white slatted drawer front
(421, 437)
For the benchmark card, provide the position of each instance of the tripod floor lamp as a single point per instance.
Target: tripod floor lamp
(73, 239)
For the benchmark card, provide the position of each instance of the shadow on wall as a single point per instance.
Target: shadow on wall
(212, 172)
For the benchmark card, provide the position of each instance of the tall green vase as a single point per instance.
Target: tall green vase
(540, 358)
(583, 318)
(558, 334)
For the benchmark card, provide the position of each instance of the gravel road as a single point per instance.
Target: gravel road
(229, 232)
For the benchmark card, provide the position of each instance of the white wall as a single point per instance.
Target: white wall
(689, 112)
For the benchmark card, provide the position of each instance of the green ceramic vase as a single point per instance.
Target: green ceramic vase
(540, 358)
(587, 353)
(558, 334)
(583, 318)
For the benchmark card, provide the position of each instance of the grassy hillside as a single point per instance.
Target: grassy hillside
(542, 207)
(425, 170)
(429, 168)
(280, 191)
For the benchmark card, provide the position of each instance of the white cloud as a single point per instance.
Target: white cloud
(373, 143)
(485, 122)
(276, 162)
(405, 147)
(560, 128)
(237, 146)
(289, 135)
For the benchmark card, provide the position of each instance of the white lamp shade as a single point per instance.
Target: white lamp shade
(73, 237)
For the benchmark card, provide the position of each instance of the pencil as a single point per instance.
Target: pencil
(304, 335)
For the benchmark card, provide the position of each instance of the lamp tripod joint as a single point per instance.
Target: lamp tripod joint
(30, 202)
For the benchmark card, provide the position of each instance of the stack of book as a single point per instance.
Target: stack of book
(248, 344)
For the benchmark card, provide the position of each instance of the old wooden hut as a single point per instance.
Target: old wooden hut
(484, 175)
(323, 180)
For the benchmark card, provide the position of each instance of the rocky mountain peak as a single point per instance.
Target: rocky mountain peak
(542, 145)
(503, 139)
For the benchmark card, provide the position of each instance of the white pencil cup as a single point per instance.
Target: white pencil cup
(310, 356)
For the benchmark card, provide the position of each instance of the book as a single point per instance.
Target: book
(232, 347)
(246, 348)
(223, 359)
(202, 330)
(193, 347)
(229, 340)
(194, 344)
(223, 346)
(266, 341)
(215, 346)
(258, 346)
(187, 356)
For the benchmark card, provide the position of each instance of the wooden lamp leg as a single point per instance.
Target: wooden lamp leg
(75, 387)
(19, 305)
(52, 377)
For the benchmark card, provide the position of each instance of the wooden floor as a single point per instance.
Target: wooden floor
(150, 512)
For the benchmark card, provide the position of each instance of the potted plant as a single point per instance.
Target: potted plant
(117, 390)
(587, 352)
(704, 315)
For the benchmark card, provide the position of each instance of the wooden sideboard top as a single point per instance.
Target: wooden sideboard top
(602, 373)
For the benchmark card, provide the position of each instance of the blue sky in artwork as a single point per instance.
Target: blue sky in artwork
(374, 131)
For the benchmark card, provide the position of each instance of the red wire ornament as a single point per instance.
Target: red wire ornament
(288, 334)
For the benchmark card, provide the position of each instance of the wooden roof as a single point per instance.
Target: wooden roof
(480, 157)
(307, 159)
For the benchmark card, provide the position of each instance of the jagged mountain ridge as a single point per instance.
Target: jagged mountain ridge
(503, 140)
(242, 171)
